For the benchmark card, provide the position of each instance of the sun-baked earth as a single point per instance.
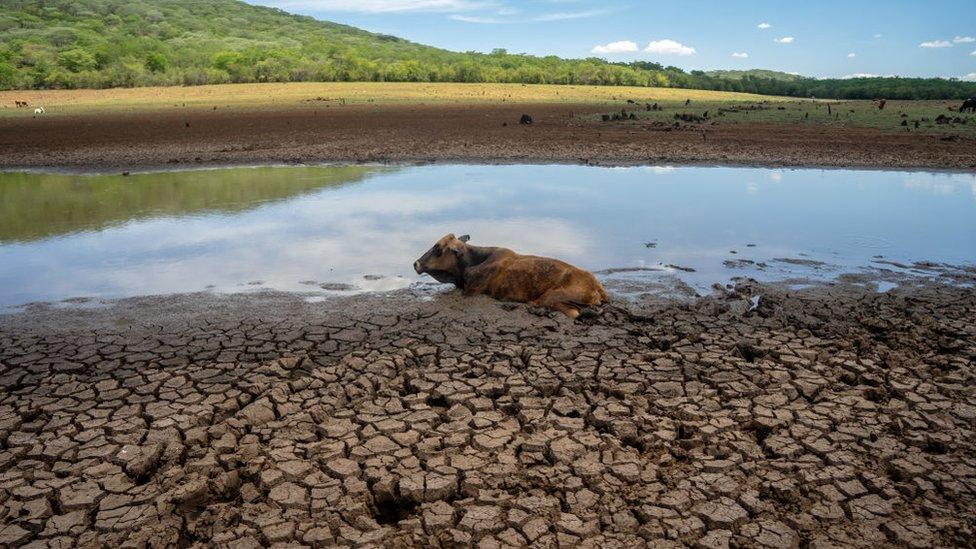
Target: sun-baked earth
(480, 132)
(829, 417)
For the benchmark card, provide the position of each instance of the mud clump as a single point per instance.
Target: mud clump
(828, 417)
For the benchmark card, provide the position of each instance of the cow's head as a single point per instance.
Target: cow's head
(443, 260)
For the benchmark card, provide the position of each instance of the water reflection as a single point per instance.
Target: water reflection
(34, 206)
(303, 229)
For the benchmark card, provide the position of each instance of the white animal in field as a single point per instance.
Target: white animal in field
(39, 110)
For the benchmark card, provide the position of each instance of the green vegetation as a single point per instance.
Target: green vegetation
(68, 44)
(761, 74)
(931, 117)
(851, 88)
(34, 206)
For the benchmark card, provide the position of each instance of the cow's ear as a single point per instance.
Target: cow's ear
(464, 238)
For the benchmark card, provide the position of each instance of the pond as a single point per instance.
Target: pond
(336, 229)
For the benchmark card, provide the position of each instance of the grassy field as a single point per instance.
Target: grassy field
(897, 116)
(292, 94)
(722, 107)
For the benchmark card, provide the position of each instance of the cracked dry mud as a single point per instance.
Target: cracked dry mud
(825, 418)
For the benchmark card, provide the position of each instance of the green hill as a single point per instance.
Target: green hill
(126, 43)
(111, 43)
(755, 73)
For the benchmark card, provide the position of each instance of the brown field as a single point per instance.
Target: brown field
(387, 122)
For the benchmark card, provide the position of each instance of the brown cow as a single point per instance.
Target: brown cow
(503, 274)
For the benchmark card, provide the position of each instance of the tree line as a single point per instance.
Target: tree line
(65, 44)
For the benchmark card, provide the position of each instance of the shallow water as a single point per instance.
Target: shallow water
(338, 229)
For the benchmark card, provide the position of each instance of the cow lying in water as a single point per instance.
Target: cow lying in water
(505, 275)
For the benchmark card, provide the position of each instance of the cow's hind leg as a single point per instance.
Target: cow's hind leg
(563, 301)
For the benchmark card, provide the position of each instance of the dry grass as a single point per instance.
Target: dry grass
(260, 96)
(723, 107)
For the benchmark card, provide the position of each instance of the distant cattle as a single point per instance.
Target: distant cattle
(21, 104)
(39, 110)
(503, 274)
(968, 105)
(881, 104)
(526, 119)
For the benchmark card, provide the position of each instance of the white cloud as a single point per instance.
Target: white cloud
(379, 6)
(860, 75)
(971, 77)
(623, 46)
(936, 44)
(851, 55)
(669, 47)
(974, 53)
(478, 19)
(569, 15)
(878, 35)
(964, 40)
(786, 40)
(545, 17)
(763, 25)
(740, 55)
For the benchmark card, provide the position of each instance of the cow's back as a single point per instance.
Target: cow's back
(527, 278)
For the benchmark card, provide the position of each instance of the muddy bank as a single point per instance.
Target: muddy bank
(448, 133)
(834, 416)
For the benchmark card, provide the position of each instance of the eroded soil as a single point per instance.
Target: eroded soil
(564, 133)
(830, 417)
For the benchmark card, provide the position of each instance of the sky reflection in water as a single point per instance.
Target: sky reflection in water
(285, 228)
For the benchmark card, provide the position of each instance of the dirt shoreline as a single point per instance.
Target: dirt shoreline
(833, 416)
(428, 133)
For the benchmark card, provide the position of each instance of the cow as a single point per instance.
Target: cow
(526, 120)
(502, 274)
(969, 104)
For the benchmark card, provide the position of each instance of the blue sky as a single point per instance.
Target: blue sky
(827, 38)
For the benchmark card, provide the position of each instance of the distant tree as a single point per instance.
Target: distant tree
(156, 62)
(77, 60)
(8, 76)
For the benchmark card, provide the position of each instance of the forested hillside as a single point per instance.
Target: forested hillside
(125, 43)
(754, 73)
